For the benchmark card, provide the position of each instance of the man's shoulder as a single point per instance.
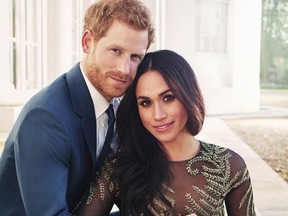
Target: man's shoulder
(57, 90)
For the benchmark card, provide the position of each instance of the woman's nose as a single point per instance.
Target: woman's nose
(159, 112)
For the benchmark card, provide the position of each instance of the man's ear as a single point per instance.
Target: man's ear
(87, 41)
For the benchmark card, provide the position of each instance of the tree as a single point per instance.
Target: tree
(274, 43)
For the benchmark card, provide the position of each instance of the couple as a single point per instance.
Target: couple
(52, 153)
(159, 167)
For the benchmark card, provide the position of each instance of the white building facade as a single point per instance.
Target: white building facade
(41, 39)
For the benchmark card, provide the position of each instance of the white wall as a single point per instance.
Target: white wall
(230, 82)
(245, 52)
(174, 30)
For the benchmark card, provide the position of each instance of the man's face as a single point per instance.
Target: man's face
(112, 61)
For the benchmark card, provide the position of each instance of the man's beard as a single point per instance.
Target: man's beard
(99, 78)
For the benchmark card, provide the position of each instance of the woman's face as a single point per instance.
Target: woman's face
(163, 115)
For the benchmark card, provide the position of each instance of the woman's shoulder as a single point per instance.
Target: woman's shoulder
(223, 153)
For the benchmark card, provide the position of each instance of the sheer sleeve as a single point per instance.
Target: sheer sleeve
(239, 200)
(102, 193)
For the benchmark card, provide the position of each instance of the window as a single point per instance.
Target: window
(211, 26)
(25, 54)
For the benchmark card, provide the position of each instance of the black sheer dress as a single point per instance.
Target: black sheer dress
(214, 181)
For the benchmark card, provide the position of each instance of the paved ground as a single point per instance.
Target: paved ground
(270, 190)
(261, 139)
(266, 131)
(274, 98)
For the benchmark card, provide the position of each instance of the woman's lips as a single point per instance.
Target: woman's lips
(163, 127)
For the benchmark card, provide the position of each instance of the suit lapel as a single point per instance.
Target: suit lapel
(83, 106)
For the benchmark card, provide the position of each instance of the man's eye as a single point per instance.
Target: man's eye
(136, 57)
(117, 51)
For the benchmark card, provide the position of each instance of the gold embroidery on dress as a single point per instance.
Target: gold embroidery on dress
(218, 181)
(91, 194)
(212, 166)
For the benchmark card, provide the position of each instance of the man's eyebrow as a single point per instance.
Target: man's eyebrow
(117, 46)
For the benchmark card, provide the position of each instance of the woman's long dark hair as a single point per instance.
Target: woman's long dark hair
(142, 165)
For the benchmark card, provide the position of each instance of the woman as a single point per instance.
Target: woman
(160, 168)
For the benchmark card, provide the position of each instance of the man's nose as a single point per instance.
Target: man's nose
(123, 64)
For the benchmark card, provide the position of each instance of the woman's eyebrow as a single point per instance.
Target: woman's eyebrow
(142, 97)
(161, 94)
(164, 92)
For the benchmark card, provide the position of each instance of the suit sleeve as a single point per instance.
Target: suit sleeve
(42, 163)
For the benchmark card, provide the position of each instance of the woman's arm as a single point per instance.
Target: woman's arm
(239, 200)
(100, 197)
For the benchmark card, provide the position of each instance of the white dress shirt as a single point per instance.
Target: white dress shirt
(100, 106)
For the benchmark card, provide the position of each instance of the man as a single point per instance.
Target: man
(55, 145)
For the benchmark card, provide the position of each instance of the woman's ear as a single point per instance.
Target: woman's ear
(87, 41)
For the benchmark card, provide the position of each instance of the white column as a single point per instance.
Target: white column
(59, 37)
(246, 54)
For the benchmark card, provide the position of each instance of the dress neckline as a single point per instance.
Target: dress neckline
(186, 160)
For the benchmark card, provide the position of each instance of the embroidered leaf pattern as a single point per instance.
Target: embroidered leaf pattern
(202, 185)
(219, 182)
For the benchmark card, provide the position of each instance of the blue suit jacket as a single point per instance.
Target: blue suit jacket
(49, 157)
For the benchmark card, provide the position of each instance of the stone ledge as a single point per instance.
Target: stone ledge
(8, 116)
(11, 103)
(3, 137)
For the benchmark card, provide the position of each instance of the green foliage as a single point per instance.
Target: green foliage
(274, 43)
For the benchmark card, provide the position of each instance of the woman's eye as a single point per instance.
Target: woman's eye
(169, 98)
(145, 103)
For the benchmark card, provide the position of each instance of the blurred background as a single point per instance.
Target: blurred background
(221, 39)
(236, 47)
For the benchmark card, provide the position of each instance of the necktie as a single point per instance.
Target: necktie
(111, 120)
(109, 135)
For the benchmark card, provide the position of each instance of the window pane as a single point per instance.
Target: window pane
(25, 44)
